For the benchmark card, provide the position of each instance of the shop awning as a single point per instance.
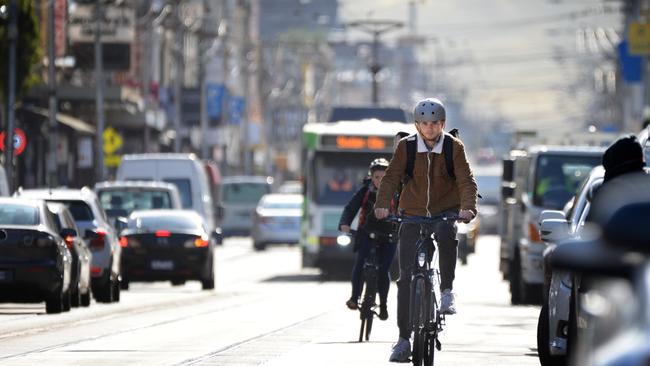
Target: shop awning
(65, 119)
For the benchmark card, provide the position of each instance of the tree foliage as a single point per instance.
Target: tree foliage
(28, 48)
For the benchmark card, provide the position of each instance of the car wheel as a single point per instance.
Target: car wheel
(514, 277)
(66, 301)
(85, 299)
(116, 290)
(54, 302)
(259, 246)
(124, 284)
(208, 283)
(178, 282)
(75, 299)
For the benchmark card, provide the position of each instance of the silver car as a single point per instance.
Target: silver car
(239, 198)
(556, 226)
(97, 232)
(277, 220)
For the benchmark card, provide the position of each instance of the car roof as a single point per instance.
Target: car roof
(160, 156)
(22, 201)
(568, 150)
(283, 197)
(133, 184)
(247, 179)
(158, 213)
(71, 194)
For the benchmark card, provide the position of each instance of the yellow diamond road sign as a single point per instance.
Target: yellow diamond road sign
(112, 141)
(639, 38)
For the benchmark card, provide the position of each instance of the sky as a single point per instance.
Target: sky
(529, 61)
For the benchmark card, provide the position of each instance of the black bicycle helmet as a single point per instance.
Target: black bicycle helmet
(378, 164)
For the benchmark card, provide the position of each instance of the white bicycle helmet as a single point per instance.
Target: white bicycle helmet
(429, 110)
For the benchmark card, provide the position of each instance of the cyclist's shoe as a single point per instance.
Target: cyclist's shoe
(401, 351)
(383, 312)
(352, 304)
(447, 303)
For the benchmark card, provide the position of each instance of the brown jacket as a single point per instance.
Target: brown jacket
(444, 193)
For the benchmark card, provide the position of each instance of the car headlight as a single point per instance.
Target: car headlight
(343, 240)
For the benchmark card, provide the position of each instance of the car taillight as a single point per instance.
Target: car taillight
(533, 233)
(327, 241)
(98, 242)
(69, 241)
(163, 234)
(95, 271)
(201, 242)
(124, 242)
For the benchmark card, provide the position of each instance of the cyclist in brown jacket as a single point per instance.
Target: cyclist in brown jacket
(429, 192)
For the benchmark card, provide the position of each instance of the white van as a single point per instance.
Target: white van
(185, 171)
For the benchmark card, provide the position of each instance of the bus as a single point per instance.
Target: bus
(336, 156)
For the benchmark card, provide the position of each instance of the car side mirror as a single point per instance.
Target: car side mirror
(90, 234)
(68, 232)
(554, 230)
(121, 223)
(551, 214)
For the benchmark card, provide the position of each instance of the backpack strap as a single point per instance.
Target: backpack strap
(448, 150)
(411, 149)
(362, 213)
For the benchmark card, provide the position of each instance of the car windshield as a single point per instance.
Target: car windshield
(124, 201)
(244, 192)
(184, 189)
(79, 210)
(165, 222)
(11, 214)
(558, 178)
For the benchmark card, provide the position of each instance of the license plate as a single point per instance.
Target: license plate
(162, 265)
(6, 276)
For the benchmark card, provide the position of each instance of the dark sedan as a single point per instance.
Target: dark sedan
(35, 263)
(167, 245)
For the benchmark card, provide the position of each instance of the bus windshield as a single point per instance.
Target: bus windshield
(338, 175)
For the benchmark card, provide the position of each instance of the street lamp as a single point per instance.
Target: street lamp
(377, 28)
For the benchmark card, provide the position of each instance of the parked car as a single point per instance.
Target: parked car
(80, 289)
(610, 284)
(277, 220)
(120, 198)
(556, 227)
(467, 235)
(99, 235)
(545, 177)
(166, 245)
(185, 171)
(35, 263)
(239, 197)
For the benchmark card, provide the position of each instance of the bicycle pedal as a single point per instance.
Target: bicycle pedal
(438, 345)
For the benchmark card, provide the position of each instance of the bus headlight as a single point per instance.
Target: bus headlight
(343, 240)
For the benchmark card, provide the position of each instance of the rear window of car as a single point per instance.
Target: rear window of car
(558, 178)
(79, 210)
(11, 214)
(280, 205)
(165, 222)
(184, 189)
(127, 201)
(244, 192)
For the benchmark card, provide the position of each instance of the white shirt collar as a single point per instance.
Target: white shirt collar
(422, 147)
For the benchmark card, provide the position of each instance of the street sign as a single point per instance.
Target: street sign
(639, 39)
(20, 141)
(112, 143)
(214, 98)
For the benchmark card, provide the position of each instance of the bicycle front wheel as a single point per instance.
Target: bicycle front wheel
(419, 306)
(430, 350)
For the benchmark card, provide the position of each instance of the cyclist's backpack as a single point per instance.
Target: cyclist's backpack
(447, 149)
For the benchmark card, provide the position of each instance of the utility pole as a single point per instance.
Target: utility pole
(376, 28)
(245, 127)
(99, 92)
(178, 82)
(52, 178)
(11, 93)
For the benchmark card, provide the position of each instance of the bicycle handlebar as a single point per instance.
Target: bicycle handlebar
(422, 219)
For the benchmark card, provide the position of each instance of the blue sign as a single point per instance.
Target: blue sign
(630, 65)
(214, 98)
(237, 109)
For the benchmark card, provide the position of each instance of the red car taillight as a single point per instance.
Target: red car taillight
(201, 242)
(327, 241)
(163, 234)
(98, 242)
(124, 242)
(69, 241)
